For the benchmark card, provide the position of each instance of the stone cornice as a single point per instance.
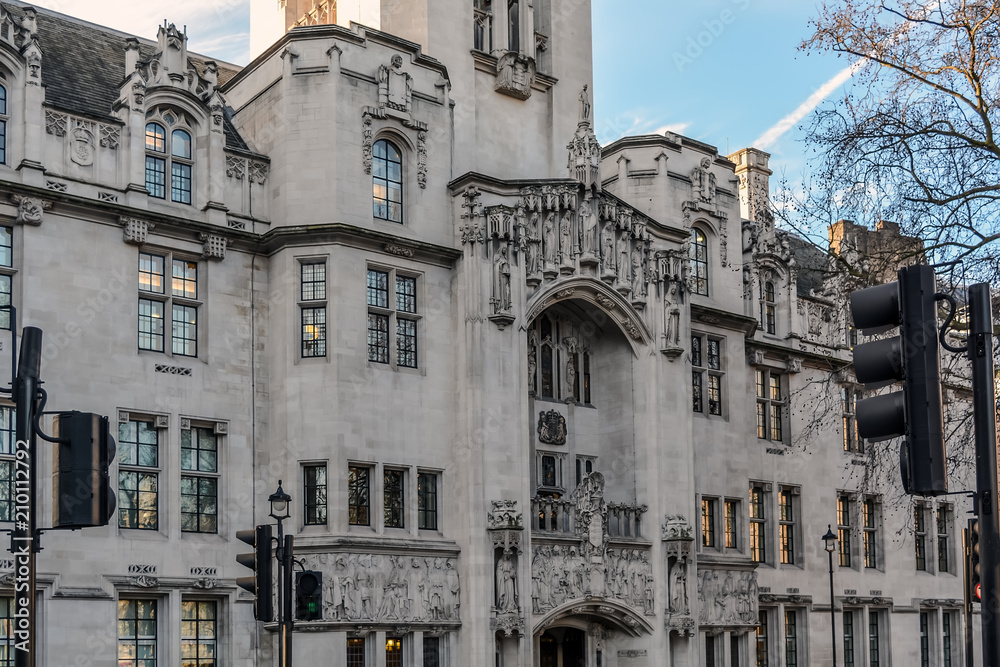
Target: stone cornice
(371, 544)
(343, 234)
(723, 318)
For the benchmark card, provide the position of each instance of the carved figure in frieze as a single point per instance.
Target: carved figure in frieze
(436, 590)
(551, 244)
(608, 249)
(540, 580)
(703, 182)
(623, 259)
(532, 360)
(647, 600)
(638, 284)
(672, 316)
(506, 585)
(588, 218)
(678, 587)
(501, 281)
(570, 379)
(534, 242)
(454, 590)
(566, 237)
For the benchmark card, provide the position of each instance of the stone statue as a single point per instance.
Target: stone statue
(533, 245)
(566, 237)
(506, 588)
(638, 284)
(584, 105)
(678, 587)
(551, 245)
(672, 316)
(608, 243)
(589, 219)
(532, 360)
(501, 281)
(703, 182)
(623, 261)
(571, 379)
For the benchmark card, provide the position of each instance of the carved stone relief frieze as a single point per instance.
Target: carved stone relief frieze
(387, 588)
(727, 597)
(55, 123)
(82, 146)
(395, 87)
(515, 75)
(561, 573)
(110, 136)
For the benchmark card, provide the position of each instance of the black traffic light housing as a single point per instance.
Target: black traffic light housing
(260, 561)
(81, 486)
(974, 582)
(916, 412)
(309, 595)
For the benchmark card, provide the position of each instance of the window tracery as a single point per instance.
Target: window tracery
(699, 262)
(560, 361)
(175, 156)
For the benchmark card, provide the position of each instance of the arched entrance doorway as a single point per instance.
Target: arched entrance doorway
(563, 647)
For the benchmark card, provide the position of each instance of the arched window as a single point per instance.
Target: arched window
(387, 181)
(767, 319)
(179, 159)
(514, 25)
(699, 262)
(564, 360)
(3, 125)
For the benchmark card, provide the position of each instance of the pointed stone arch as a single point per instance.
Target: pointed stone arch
(612, 612)
(615, 306)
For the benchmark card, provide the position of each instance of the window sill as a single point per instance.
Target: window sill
(143, 535)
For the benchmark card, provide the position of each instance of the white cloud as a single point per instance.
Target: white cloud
(773, 133)
(676, 128)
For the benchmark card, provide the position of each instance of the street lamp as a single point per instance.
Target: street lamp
(280, 508)
(830, 544)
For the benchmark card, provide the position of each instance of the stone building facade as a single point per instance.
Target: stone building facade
(537, 401)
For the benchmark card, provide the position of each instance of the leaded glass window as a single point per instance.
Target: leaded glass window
(138, 475)
(136, 633)
(393, 494)
(358, 497)
(387, 181)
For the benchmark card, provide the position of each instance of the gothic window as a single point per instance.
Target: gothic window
(155, 301)
(943, 521)
(199, 633)
(387, 181)
(394, 508)
(136, 632)
(758, 539)
(706, 373)
(6, 274)
(699, 262)
(564, 361)
(920, 536)
(770, 406)
(174, 157)
(314, 476)
(482, 25)
(3, 125)
(767, 309)
(786, 526)
(358, 503)
(312, 307)
(138, 475)
(869, 534)
(392, 304)
(514, 25)
(200, 481)
(844, 529)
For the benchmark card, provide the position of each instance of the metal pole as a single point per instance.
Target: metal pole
(279, 556)
(968, 600)
(23, 539)
(984, 418)
(287, 625)
(833, 613)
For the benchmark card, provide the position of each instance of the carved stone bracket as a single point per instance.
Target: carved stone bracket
(504, 515)
(29, 209)
(676, 527)
(400, 251)
(214, 246)
(134, 230)
(793, 364)
(515, 75)
(509, 624)
(143, 581)
(682, 625)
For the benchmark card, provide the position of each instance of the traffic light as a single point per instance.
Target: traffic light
(309, 595)
(260, 562)
(915, 412)
(81, 487)
(975, 585)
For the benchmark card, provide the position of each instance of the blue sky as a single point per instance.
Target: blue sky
(721, 71)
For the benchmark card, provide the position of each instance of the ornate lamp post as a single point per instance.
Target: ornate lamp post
(280, 502)
(830, 544)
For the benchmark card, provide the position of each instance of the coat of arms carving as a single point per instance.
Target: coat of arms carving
(551, 428)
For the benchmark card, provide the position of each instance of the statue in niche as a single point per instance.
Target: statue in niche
(571, 380)
(678, 587)
(454, 590)
(623, 261)
(584, 105)
(608, 244)
(589, 218)
(395, 85)
(506, 586)
(501, 281)
(647, 602)
(672, 315)
(533, 245)
(566, 237)
(703, 182)
(551, 245)
(638, 284)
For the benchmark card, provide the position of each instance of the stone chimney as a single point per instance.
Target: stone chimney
(754, 185)
(131, 55)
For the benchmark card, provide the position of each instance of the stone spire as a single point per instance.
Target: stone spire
(584, 150)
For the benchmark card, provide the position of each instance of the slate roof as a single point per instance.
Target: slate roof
(812, 265)
(83, 66)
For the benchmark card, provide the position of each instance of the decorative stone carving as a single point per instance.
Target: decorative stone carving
(672, 320)
(110, 136)
(143, 581)
(30, 209)
(509, 624)
(793, 364)
(387, 588)
(236, 167)
(367, 139)
(501, 300)
(214, 246)
(561, 573)
(551, 428)
(515, 75)
(395, 87)
(398, 250)
(82, 146)
(584, 149)
(257, 171)
(55, 123)
(170, 67)
(676, 527)
(134, 230)
(506, 586)
(422, 159)
(727, 598)
(206, 583)
(33, 59)
(703, 182)
(28, 27)
(504, 515)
